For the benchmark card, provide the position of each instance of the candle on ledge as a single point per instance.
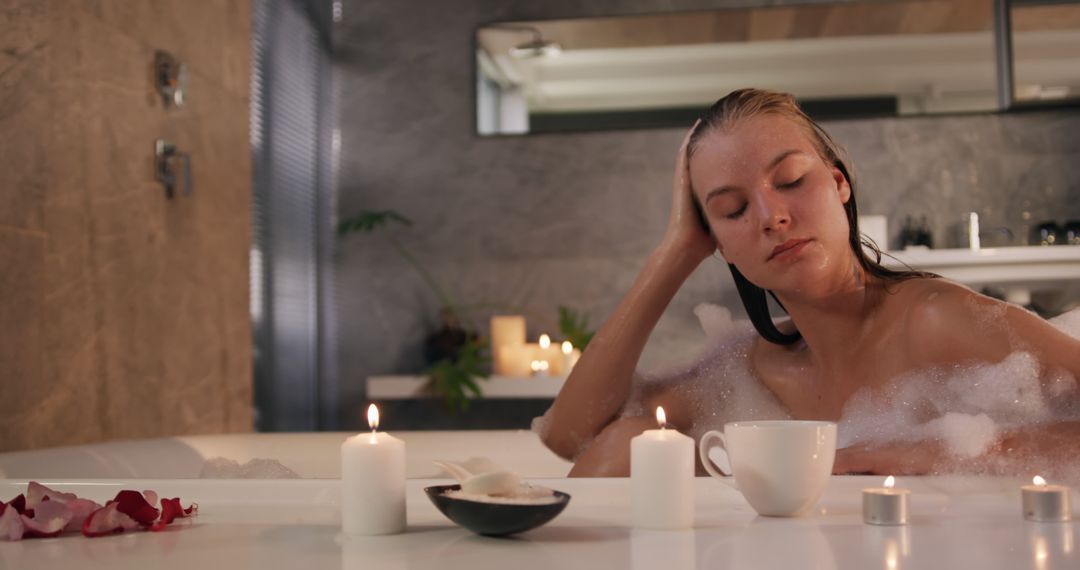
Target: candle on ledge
(539, 367)
(570, 357)
(1046, 503)
(885, 505)
(662, 478)
(373, 482)
(507, 340)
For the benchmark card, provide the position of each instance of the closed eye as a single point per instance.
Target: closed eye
(793, 184)
(736, 213)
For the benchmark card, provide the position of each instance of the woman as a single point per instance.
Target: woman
(762, 185)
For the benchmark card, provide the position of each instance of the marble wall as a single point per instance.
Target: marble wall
(122, 313)
(525, 224)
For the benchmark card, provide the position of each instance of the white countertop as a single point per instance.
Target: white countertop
(956, 523)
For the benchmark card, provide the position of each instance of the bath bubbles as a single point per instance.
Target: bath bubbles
(966, 407)
(258, 468)
(719, 386)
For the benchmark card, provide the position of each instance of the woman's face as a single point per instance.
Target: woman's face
(775, 207)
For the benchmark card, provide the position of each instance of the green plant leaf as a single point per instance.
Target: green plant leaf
(574, 326)
(452, 377)
(368, 221)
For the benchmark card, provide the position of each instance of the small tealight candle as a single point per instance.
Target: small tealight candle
(372, 482)
(885, 505)
(1046, 503)
(662, 478)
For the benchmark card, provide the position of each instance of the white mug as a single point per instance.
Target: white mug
(781, 467)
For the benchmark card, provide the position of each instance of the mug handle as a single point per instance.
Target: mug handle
(705, 445)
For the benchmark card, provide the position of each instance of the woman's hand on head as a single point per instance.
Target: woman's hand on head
(686, 233)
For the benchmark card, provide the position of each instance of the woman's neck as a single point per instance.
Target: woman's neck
(834, 320)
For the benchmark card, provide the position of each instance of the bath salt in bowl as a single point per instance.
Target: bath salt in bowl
(496, 515)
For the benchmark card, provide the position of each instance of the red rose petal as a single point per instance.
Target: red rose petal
(134, 505)
(170, 511)
(11, 525)
(19, 503)
(80, 509)
(107, 520)
(37, 493)
(50, 518)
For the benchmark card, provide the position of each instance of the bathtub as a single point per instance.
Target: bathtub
(310, 455)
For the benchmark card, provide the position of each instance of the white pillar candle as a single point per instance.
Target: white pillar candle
(662, 478)
(1046, 503)
(507, 331)
(372, 482)
(885, 505)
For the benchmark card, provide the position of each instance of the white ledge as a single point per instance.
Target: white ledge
(1032, 266)
(495, 387)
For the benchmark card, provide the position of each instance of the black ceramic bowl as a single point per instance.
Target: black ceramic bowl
(493, 519)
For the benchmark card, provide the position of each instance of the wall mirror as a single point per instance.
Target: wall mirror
(1045, 52)
(857, 59)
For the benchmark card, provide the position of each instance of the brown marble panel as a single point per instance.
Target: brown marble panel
(21, 341)
(24, 44)
(211, 36)
(131, 308)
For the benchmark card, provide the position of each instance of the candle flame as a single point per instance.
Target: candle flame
(567, 348)
(545, 341)
(661, 417)
(1038, 481)
(890, 482)
(373, 417)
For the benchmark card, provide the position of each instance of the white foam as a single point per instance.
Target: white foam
(258, 468)
(965, 406)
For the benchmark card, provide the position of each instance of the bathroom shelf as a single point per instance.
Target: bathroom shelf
(495, 387)
(1049, 267)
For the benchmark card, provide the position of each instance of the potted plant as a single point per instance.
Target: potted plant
(457, 358)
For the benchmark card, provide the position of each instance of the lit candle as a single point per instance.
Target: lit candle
(570, 357)
(662, 478)
(1046, 503)
(885, 505)
(539, 367)
(373, 482)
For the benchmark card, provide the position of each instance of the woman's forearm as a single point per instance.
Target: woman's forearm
(600, 382)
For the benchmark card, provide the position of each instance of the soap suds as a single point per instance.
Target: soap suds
(965, 406)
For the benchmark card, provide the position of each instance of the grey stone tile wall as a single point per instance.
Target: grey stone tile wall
(525, 224)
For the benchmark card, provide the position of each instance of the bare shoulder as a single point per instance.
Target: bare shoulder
(945, 322)
(929, 303)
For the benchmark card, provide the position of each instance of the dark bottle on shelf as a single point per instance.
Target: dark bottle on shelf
(923, 235)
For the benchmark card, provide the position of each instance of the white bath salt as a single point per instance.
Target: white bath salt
(258, 468)
(526, 495)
